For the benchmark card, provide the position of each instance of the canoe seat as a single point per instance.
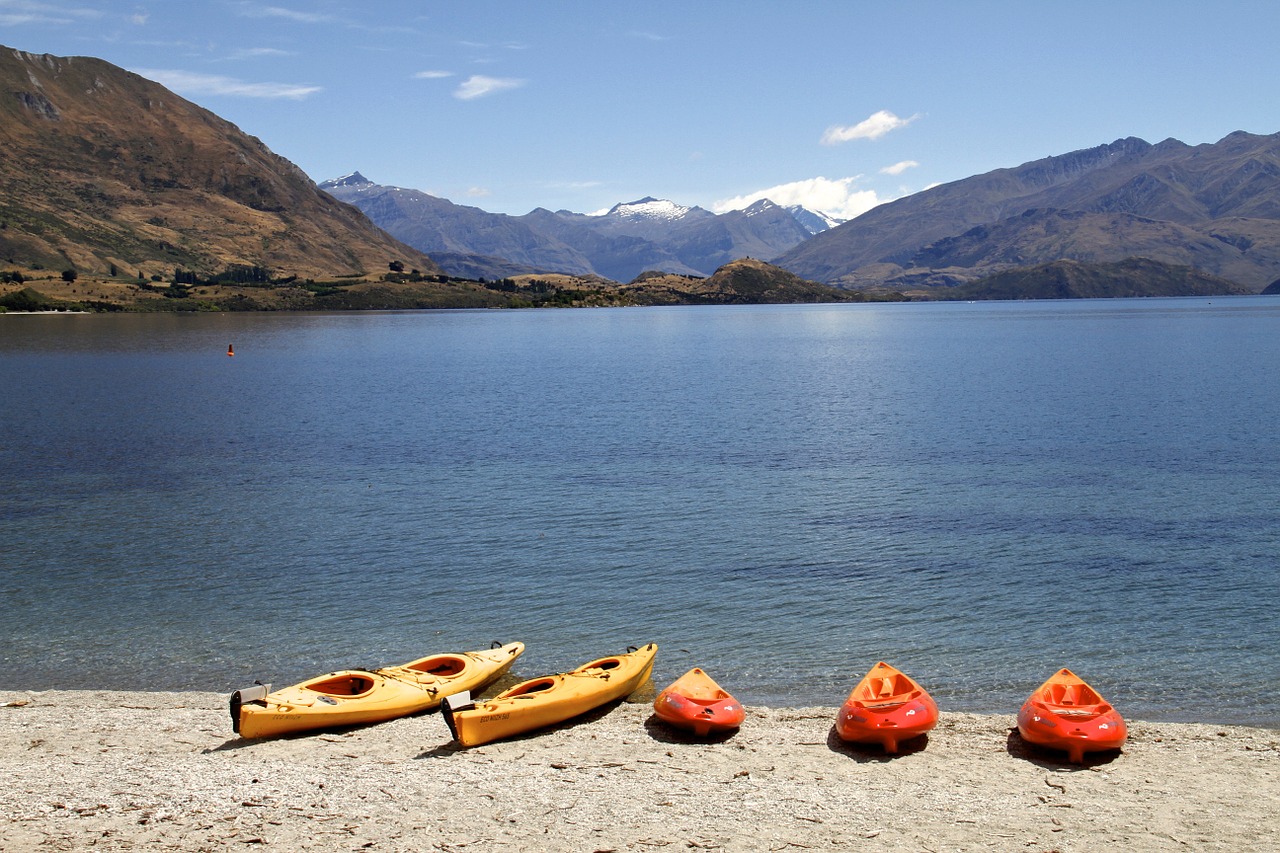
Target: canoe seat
(880, 706)
(1072, 694)
(343, 685)
(440, 666)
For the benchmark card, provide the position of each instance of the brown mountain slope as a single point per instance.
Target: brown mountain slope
(1106, 238)
(1074, 280)
(104, 169)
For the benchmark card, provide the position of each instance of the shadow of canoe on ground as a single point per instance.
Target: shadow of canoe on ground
(666, 733)
(331, 731)
(867, 753)
(1054, 759)
(453, 747)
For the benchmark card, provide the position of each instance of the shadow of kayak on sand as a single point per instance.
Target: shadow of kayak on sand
(867, 753)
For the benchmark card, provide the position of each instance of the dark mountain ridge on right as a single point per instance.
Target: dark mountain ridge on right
(1213, 207)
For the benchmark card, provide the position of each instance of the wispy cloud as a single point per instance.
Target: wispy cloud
(253, 10)
(480, 45)
(872, 127)
(838, 197)
(477, 86)
(478, 192)
(190, 83)
(15, 13)
(432, 75)
(255, 52)
(899, 167)
(570, 185)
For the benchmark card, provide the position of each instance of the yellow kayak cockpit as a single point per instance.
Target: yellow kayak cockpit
(441, 666)
(528, 688)
(343, 685)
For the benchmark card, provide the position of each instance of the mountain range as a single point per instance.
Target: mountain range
(110, 175)
(1212, 208)
(647, 235)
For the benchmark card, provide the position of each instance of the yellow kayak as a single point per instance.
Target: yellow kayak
(352, 697)
(545, 701)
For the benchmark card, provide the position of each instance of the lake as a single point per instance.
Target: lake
(979, 494)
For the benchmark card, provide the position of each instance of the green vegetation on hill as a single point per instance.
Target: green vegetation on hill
(244, 289)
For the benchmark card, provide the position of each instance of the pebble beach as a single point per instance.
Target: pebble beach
(119, 770)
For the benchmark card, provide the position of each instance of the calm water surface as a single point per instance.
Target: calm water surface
(977, 493)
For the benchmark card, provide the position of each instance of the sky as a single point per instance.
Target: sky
(839, 105)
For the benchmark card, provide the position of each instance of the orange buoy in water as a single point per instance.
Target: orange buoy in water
(230, 350)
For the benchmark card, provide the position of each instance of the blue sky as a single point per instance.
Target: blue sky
(838, 105)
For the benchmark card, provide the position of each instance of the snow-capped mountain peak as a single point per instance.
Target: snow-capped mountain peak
(813, 221)
(761, 206)
(355, 180)
(649, 209)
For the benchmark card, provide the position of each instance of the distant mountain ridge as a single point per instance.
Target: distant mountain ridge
(648, 234)
(1213, 207)
(108, 173)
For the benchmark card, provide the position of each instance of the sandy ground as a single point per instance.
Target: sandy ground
(115, 771)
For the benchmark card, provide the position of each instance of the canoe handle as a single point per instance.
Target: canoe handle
(257, 693)
(452, 704)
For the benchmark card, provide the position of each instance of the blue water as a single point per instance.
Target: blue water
(977, 493)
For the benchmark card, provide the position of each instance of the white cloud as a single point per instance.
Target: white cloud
(873, 127)
(899, 168)
(432, 75)
(189, 83)
(479, 192)
(477, 86)
(838, 197)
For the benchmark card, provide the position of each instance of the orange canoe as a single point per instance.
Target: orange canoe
(1066, 713)
(694, 701)
(886, 707)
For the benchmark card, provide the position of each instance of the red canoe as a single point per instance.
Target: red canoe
(1066, 713)
(694, 701)
(886, 707)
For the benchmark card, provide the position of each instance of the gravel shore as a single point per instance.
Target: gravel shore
(115, 771)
